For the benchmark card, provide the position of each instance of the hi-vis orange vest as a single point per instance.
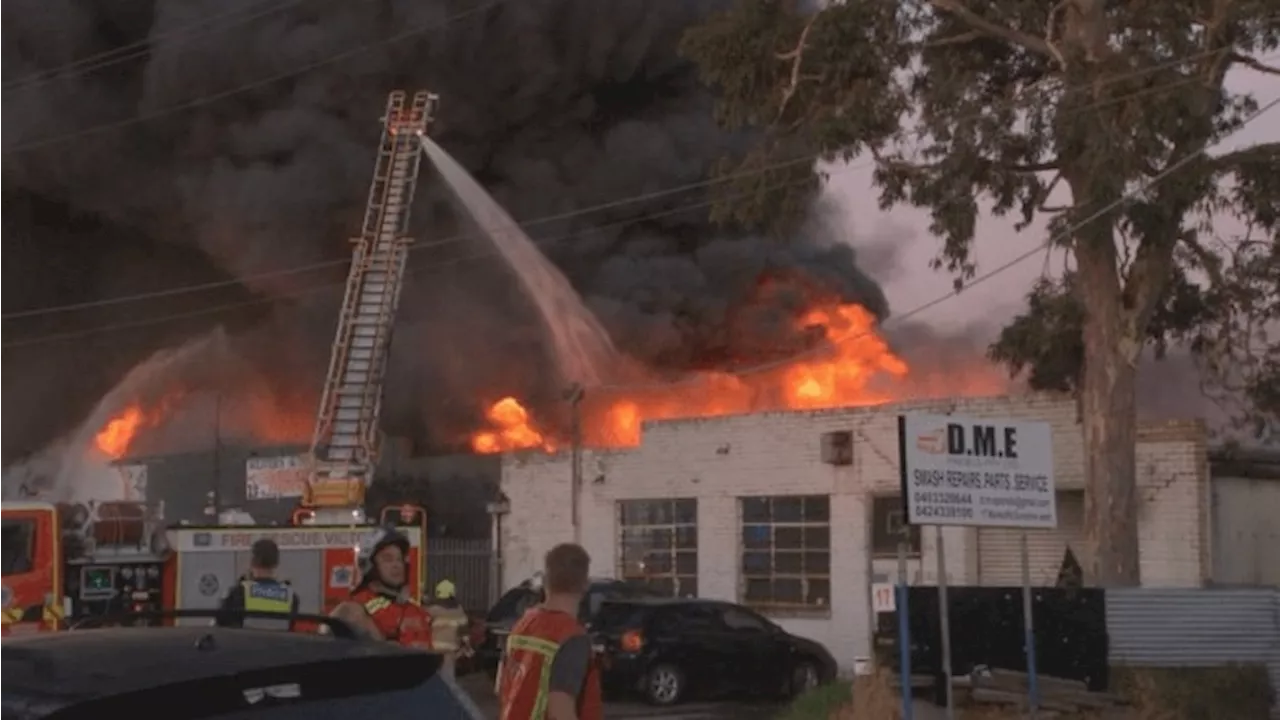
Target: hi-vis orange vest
(399, 620)
(526, 667)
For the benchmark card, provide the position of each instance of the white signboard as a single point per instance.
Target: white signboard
(978, 472)
(269, 478)
(134, 479)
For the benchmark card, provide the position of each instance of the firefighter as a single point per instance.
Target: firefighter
(379, 607)
(548, 671)
(260, 591)
(448, 625)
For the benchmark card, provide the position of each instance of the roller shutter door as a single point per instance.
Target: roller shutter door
(999, 551)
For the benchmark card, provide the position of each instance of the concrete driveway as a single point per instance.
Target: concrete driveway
(481, 691)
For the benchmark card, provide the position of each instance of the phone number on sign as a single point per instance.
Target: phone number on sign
(942, 511)
(942, 505)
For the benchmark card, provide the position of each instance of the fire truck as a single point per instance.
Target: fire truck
(67, 564)
(64, 563)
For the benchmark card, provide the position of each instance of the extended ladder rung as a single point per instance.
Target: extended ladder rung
(348, 423)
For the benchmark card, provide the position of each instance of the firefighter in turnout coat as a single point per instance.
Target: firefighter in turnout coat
(448, 625)
(379, 606)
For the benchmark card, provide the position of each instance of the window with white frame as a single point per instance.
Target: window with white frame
(658, 544)
(786, 551)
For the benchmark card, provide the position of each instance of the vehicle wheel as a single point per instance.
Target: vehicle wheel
(805, 676)
(664, 684)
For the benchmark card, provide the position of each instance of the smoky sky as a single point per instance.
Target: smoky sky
(554, 105)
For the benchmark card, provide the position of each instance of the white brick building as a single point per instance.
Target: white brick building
(761, 519)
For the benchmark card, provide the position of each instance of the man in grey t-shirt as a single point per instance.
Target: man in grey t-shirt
(569, 668)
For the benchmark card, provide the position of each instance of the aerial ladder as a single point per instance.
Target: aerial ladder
(347, 439)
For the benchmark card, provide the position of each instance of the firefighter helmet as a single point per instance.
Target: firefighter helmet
(445, 590)
(374, 543)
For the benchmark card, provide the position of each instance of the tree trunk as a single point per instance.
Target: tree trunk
(1109, 417)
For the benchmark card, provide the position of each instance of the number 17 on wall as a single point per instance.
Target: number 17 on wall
(883, 598)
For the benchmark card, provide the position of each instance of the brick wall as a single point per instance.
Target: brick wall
(720, 460)
(1174, 504)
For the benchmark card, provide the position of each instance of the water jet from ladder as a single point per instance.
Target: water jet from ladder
(583, 350)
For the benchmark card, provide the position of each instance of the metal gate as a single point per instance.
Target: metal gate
(469, 564)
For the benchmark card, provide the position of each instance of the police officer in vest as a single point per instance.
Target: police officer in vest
(260, 591)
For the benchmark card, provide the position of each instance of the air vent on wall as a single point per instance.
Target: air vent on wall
(837, 447)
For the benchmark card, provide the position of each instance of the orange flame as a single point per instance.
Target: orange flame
(116, 436)
(119, 433)
(254, 414)
(857, 368)
(514, 430)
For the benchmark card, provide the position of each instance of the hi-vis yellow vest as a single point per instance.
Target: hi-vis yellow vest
(267, 597)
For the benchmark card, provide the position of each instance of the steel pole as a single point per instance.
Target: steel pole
(944, 620)
(575, 394)
(1029, 632)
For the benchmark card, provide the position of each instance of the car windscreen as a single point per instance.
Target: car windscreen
(512, 605)
(386, 687)
(18, 546)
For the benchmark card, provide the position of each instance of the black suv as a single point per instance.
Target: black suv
(223, 674)
(511, 606)
(669, 650)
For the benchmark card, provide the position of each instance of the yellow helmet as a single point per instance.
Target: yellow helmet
(445, 590)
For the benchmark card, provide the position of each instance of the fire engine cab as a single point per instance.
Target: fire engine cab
(66, 563)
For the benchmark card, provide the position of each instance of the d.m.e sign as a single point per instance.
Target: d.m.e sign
(981, 472)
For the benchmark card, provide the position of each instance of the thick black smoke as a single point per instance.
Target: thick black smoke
(555, 105)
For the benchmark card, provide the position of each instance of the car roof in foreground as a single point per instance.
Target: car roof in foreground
(92, 663)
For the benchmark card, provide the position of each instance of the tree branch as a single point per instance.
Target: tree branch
(964, 37)
(897, 163)
(1024, 40)
(1211, 263)
(1254, 63)
(1148, 276)
(1228, 162)
(1049, 27)
(796, 57)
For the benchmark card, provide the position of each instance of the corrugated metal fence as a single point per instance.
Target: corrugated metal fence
(468, 563)
(1195, 627)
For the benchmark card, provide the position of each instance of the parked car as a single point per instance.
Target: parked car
(513, 604)
(225, 673)
(669, 650)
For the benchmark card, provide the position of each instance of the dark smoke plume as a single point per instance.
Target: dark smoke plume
(555, 105)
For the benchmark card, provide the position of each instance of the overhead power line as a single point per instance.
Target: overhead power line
(764, 367)
(247, 87)
(628, 200)
(141, 48)
(1059, 238)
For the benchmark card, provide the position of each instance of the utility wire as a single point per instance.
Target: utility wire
(145, 46)
(264, 82)
(621, 202)
(414, 272)
(1054, 240)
